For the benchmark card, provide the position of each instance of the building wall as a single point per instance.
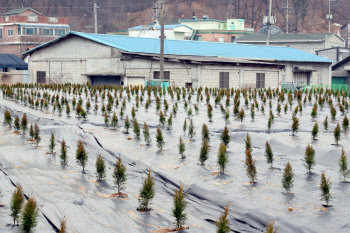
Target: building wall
(345, 33)
(14, 76)
(204, 25)
(215, 36)
(334, 41)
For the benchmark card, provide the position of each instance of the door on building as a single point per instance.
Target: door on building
(302, 78)
(136, 81)
(105, 80)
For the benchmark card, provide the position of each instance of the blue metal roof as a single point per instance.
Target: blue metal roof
(166, 27)
(197, 48)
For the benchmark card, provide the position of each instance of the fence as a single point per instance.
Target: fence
(334, 87)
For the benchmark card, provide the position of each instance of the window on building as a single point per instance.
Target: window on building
(288, 45)
(260, 80)
(0, 33)
(7, 18)
(41, 76)
(32, 17)
(60, 32)
(10, 32)
(199, 38)
(46, 32)
(19, 31)
(233, 38)
(221, 39)
(319, 79)
(224, 81)
(3, 69)
(29, 31)
(156, 75)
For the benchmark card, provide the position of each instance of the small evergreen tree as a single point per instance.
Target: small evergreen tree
(160, 139)
(16, 124)
(161, 118)
(182, 148)
(222, 224)
(24, 123)
(287, 179)
(119, 175)
(67, 109)
(222, 158)
(184, 126)
(333, 113)
(114, 121)
(270, 227)
(325, 187)
(179, 207)
(325, 123)
(37, 137)
(269, 154)
(203, 156)
(343, 165)
(295, 125)
(205, 132)
(337, 134)
(345, 124)
(63, 228)
(225, 136)
(314, 131)
(29, 215)
(241, 115)
(170, 121)
(100, 168)
(81, 154)
(250, 166)
(63, 154)
(146, 134)
(248, 143)
(309, 158)
(147, 192)
(106, 119)
(16, 204)
(191, 132)
(269, 123)
(31, 132)
(52, 143)
(127, 124)
(136, 128)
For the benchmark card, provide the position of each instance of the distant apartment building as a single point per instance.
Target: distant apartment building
(25, 28)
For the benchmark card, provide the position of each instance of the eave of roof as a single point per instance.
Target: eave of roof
(340, 63)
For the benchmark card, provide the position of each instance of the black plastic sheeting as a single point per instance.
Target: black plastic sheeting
(89, 206)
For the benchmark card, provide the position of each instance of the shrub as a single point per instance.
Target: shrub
(222, 158)
(269, 154)
(114, 121)
(345, 124)
(210, 112)
(147, 192)
(333, 113)
(170, 121)
(160, 139)
(241, 115)
(309, 158)
(343, 165)
(63, 228)
(127, 124)
(37, 134)
(24, 123)
(63, 154)
(29, 215)
(250, 166)
(222, 224)
(31, 132)
(52, 143)
(225, 136)
(325, 123)
(184, 126)
(287, 179)
(337, 134)
(314, 131)
(179, 207)
(182, 148)
(119, 175)
(146, 134)
(161, 118)
(100, 168)
(270, 227)
(106, 119)
(248, 143)
(205, 132)
(191, 132)
(16, 124)
(325, 187)
(136, 128)
(16, 204)
(67, 109)
(203, 156)
(81, 154)
(295, 125)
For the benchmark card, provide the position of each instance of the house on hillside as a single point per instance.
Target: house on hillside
(109, 59)
(307, 42)
(177, 31)
(336, 54)
(345, 33)
(24, 28)
(12, 69)
(341, 72)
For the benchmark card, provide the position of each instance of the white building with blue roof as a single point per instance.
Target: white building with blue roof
(109, 59)
(176, 31)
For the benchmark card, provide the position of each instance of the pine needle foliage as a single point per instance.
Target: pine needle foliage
(179, 207)
(223, 224)
(147, 192)
(119, 175)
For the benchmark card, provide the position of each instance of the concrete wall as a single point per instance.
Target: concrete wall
(204, 25)
(14, 76)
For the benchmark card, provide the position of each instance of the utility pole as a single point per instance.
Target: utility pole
(162, 37)
(287, 19)
(329, 16)
(95, 17)
(268, 25)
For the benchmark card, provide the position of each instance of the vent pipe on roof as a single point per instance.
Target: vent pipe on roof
(205, 17)
(194, 17)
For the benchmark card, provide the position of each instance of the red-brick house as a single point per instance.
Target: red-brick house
(25, 28)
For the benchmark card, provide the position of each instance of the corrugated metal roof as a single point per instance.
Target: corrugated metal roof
(284, 37)
(196, 48)
(149, 27)
(11, 60)
(19, 10)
